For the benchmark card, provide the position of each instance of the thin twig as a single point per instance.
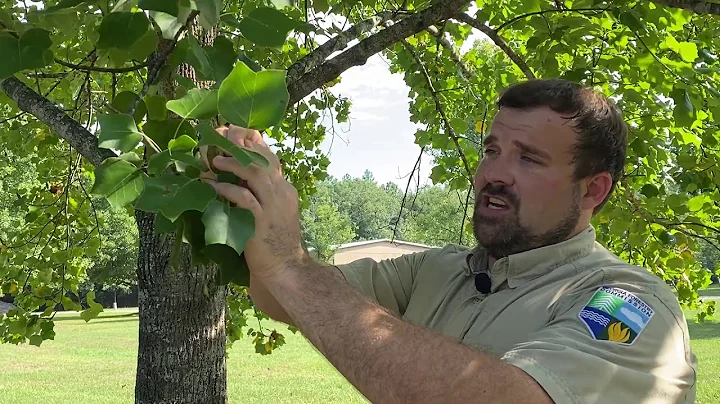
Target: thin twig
(407, 189)
(475, 23)
(102, 69)
(551, 10)
(441, 110)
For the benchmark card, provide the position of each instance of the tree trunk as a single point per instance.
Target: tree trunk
(181, 351)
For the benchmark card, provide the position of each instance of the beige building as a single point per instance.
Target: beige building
(376, 249)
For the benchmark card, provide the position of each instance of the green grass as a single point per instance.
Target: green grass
(712, 291)
(95, 363)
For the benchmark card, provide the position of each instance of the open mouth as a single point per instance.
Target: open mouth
(495, 203)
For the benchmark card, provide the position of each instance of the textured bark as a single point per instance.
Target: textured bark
(56, 119)
(181, 350)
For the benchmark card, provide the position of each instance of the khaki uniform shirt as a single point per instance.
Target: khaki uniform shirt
(587, 326)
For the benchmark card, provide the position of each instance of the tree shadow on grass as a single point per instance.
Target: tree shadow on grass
(107, 318)
(706, 330)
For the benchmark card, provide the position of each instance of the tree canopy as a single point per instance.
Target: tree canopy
(118, 99)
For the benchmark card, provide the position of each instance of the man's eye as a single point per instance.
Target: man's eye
(528, 159)
(490, 151)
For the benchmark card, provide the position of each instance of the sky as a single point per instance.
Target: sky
(379, 135)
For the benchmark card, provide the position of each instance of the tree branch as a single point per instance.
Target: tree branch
(550, 10)
(454, 56)
(698, 7)
(102, 69)
(360, 53)
(48, 113)
(337, 43)
(441, 110)
(462, 17)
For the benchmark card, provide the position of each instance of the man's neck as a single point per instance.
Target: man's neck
(492, 260)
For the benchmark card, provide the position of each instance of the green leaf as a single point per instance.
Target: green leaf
(133, 158)
(124, 100)
(34, 48)
(253, 100)
(165, 6)
(281, 3)
(119, 181)
(194, 234)
(182, 143)
(684, 112)
(122, 30)
(688, 51)
(118, 131)
(208, 136)
(145, 46)
(675, 263)
(222, 57)
(209, 12)
(195, 195)
(156, 109)
(67, 4)
(169, 25)
(197, 57)
(160, 161)
(266, 26)
(696, 203)
(227, 230)
(198, 103)
(180, 150)
(231, 266)
(35, 340)
(31, 51)
(94, 310)
(630, 20)
(650, 190)
(163, 225)
(163, 131)
(159, 191)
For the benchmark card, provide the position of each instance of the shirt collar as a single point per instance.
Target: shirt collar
(527, 265)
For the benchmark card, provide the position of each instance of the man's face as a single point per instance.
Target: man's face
(526, 196)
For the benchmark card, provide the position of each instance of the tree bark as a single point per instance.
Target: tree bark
(181, 350)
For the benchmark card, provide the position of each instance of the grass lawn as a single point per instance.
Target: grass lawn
(95, 363)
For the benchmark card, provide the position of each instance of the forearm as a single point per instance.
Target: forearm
(385, 358)
(266, 302)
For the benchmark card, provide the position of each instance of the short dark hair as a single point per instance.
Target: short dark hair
(602, 132)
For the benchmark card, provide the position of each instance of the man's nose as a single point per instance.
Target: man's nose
(497, 171)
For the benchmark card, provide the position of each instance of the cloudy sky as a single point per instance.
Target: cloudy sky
(379, 136)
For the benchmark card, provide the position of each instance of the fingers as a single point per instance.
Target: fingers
(244, 137)
(253, 140)
(241, 197)
(260, 181)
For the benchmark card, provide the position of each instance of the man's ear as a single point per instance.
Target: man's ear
(597, 188)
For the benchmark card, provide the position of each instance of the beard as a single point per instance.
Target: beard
(505, 236)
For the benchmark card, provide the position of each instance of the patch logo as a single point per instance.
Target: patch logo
(614, 314)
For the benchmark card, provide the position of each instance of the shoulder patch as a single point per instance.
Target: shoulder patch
(614, 314)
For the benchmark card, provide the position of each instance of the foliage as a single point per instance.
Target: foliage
(659, 64)
(100, 62)
(324, 226)
(431, 215)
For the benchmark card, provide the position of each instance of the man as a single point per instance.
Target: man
(538, 312)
